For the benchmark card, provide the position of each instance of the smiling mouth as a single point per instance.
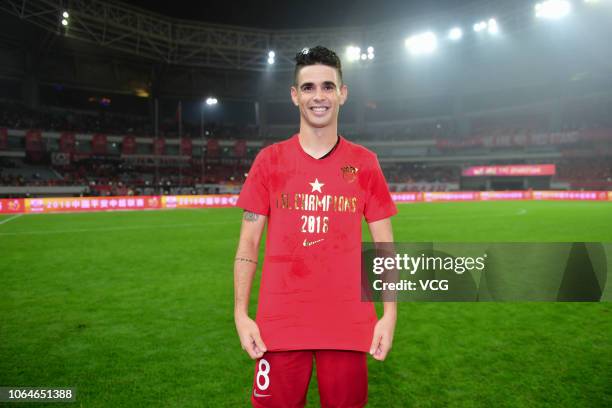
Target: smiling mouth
(319, 109)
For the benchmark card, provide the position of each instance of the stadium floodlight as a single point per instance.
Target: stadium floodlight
(553, 9)
(492, 26)
(479, 26)
(64, 22)
(455, 33)
(424, 43)
(65, 14)
(271, 61)
(211, 101)
(370, 55)
(364, 57)
(271, 54)
(353, 53)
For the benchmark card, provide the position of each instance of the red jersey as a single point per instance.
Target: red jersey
(310, 293)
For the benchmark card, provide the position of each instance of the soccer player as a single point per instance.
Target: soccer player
(313, 190)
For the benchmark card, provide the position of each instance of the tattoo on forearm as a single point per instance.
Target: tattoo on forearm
(239, 259)
(249, 216)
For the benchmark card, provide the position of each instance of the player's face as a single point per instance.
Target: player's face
(319, 95)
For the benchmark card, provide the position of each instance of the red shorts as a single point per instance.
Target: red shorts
(282, 378)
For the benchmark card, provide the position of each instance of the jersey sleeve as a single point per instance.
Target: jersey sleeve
(255, 196)
(379, 204)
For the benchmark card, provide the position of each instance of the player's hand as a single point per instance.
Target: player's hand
(250, 339)
(383, 337)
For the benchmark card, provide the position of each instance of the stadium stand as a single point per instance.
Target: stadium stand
(118, 123)
(430, 162)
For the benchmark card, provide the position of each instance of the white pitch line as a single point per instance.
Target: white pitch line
(10, 219)
(457, 217)
(68, 231)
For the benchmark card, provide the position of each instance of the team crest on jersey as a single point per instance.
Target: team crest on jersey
(349, 173)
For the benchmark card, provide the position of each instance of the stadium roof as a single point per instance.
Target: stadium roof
(241, 36)
(298, 14)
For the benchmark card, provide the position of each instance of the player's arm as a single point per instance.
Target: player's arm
(245, 265)
(381, 231)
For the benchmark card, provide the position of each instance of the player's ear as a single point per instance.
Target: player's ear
(343, 94)
(294, 95)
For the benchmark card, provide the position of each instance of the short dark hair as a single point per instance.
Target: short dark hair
(317, 55)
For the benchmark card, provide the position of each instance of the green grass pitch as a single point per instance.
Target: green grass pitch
(134, 309)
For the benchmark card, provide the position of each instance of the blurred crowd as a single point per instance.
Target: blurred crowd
(113, 175)
(18, 116)
(419, 173)
(599, 169)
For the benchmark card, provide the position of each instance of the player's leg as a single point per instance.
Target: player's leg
(342, 377)
(281, 379)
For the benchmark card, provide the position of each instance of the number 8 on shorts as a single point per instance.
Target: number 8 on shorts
(263, 369)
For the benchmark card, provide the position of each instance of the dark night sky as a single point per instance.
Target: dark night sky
(277, 14)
